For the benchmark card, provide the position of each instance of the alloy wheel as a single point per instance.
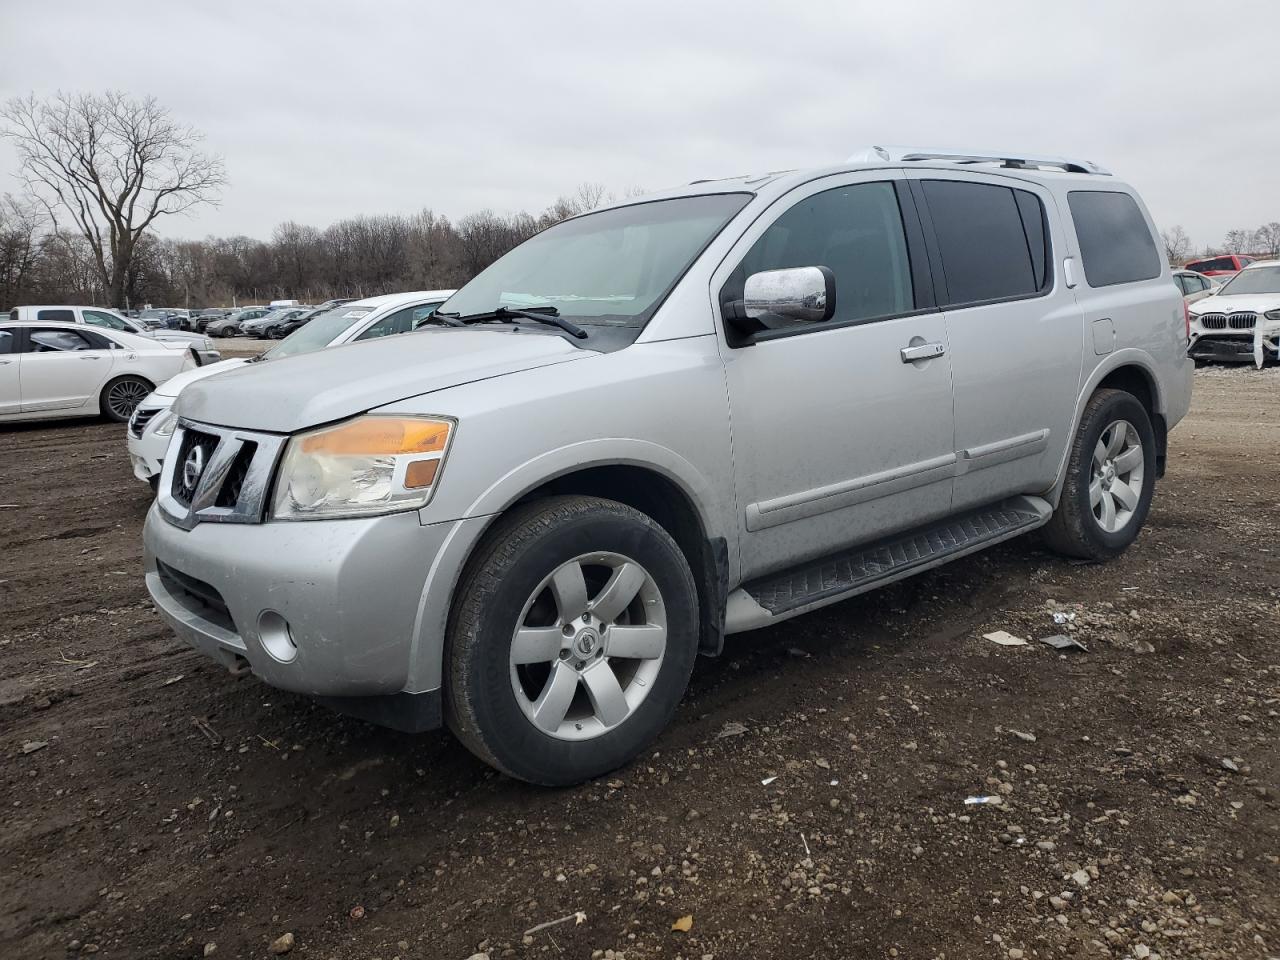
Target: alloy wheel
(1116, 475)
(588, 646)
(124, 397)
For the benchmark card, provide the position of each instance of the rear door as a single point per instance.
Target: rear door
(62, 369)
(10, 382)
(1014, 328)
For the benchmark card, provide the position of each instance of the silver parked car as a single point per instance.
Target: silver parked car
(666, 421)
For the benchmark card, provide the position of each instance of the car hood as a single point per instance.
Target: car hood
(1255, 302)
(294, 393)
(173, 386)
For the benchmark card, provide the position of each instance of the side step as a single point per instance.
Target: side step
(828, 579)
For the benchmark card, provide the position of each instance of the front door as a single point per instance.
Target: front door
(62, 368)
(838, 437)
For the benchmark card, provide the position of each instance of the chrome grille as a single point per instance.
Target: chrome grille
(217, 475)
(1213, 321)
(1242, 321)
(141, 417)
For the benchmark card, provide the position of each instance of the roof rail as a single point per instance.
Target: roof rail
(1007, 158)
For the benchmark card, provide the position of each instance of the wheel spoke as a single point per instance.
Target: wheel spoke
(1127, 496)
(553, 703)
(618, 592)
(1095, 492)
(1115, 442)
(1129, 460)
(569, 588)
(536, 644)
(1108, 511)
(606, 693)
(1099, 454)
(637, 643)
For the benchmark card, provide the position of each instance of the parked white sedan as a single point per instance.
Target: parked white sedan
(153, 422)
(52, 370)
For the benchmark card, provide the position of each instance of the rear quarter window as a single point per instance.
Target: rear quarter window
(1116, 245)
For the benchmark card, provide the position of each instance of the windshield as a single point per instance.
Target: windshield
(318, 333)
(1253, 280)
(153, 314)
(612, 267)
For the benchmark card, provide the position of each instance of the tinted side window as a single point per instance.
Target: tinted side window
(1115, 244)
(985, 247)
(6, 341)
(63, 316)
(102, 319)
(56, 340)
(856, 232)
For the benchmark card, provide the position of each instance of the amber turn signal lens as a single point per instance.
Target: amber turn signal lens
(420, 473)
(380, 436)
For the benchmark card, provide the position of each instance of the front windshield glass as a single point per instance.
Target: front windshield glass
(612, 267)
(153, 314)
(1253, 280)
(318, 333)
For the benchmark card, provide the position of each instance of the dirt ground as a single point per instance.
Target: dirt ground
(809, 799)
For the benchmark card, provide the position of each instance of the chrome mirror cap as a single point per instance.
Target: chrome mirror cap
(807, 294)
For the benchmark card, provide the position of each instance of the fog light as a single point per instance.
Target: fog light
(273, 633)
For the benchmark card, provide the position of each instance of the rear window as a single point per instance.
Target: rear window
(49, 316)
(1216, 263)
(992, 240)
(1115, 244)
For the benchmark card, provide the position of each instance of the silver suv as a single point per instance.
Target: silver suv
(670, 420)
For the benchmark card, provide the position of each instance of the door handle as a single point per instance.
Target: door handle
(923, 351)
(90, 358)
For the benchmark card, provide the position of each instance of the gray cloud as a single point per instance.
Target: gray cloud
(326, 109)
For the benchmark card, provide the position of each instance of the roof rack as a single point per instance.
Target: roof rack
(1006, 158)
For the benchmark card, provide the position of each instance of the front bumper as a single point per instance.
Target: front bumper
(1226, 347)
(348, 609)
(146, 449)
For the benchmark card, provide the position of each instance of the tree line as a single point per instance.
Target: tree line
(1263, 242)
(357, 257)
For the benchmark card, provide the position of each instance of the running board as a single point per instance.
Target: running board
(814, 584)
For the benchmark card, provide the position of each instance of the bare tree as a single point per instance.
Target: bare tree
(21, 222)
(1239, 241)
(1267, 239)
(114, 165)
(1177, 245)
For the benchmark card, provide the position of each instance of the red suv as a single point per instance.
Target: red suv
(1226, 265)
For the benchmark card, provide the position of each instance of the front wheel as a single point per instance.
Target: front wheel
(1111, 477)
(572, 640)
(121, 397)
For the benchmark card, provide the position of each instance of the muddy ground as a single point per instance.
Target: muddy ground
(165, 807)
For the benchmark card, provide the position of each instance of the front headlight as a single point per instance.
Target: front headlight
(164, 423)
(370, 465)
(1272, 314)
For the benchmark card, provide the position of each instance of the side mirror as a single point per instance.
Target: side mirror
(806, 294)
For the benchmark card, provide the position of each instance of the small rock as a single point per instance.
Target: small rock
(1029, 737)
(1081, 877)
(282, 944)
(1015, 954)
(825, 765)
(210, 949)
(1046, 845)
(357, 912)
(1141, 951)
(31, 746)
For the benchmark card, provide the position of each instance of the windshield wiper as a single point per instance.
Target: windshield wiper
(548, 315)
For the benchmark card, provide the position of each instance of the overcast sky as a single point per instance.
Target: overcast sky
(323, 110)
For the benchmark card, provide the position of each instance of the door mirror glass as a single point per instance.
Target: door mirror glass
(807, 294)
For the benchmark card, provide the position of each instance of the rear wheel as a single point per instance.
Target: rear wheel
(121, 397)
(572, 641)
(1110, 479)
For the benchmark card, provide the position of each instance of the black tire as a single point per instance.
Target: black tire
(1074, 530)
(522, 549)
(121, 395)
